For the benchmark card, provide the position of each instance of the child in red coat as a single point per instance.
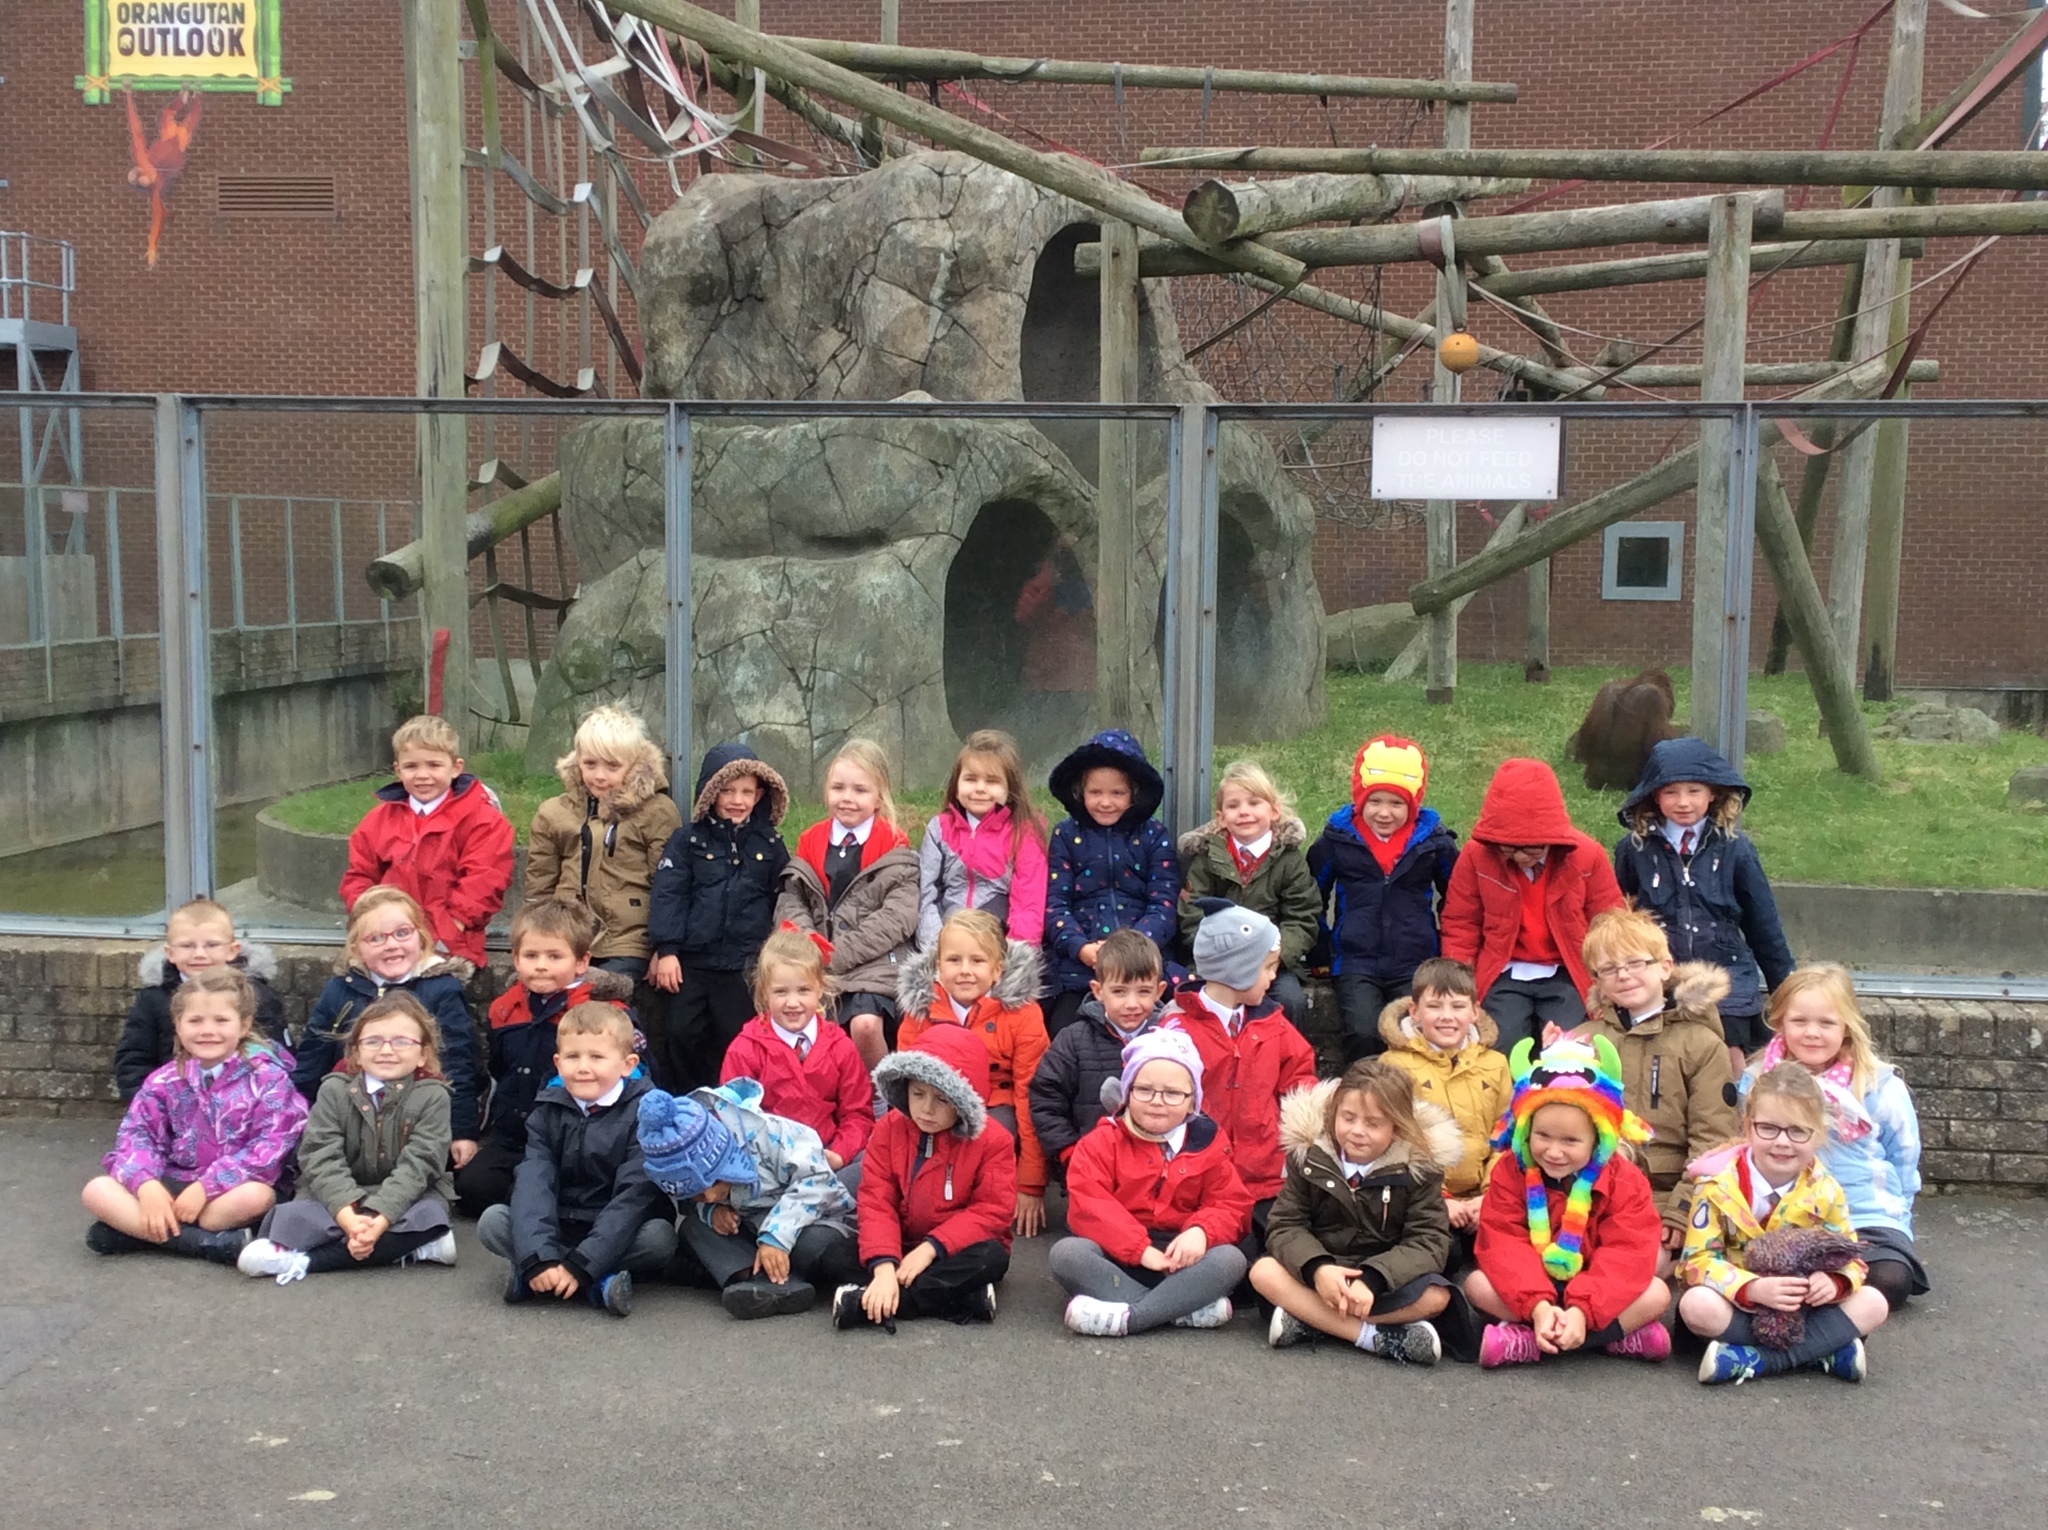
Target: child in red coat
(938, 1190)
(1154, 1205)
(809, 1069)
(1251, 1056)
(1568, 1229)
(438, 834)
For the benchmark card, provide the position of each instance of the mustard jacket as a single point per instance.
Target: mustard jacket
(1472, 1084)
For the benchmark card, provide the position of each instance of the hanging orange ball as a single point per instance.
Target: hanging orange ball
(1458, 352)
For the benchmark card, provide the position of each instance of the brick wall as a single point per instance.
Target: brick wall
(1979, 1071)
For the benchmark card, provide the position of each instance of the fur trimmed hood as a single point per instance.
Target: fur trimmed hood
(1301, 1127)
(434, 966)
(606, 987)
(1695, 988)
(257, 960)
(724, 765)
(1398, 1031)
(644, 778)
(1023, 971)
(942, 1058)
(1290, 833)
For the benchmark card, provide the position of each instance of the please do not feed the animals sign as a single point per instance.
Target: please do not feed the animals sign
(1424, 456)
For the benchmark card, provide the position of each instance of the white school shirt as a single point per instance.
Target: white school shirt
(424, 808)
(1232, 1016)
(858, 833)
(808, 1035)
(1253, 849)
(608, 1098)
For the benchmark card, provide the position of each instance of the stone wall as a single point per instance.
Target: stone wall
(1979, 1070)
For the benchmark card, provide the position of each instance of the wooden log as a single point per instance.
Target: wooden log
(1415, 653)
(1220, 213)
(1680, 266)
(1070, 177)
(1724, 334)
(1674, 475)
(1756, 374)
(1680, 221)
(1117, 636)
(1887, 526)
(1440, 526)
(1799, 597)
(1971, 220)
(399, 572)
(1536, 652)
(1978, 169)
(901, 63)
(829, 124)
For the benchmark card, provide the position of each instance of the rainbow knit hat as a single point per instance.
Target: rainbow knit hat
(1582, 1074)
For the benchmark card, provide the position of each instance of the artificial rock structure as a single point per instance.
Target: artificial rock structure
(907, 580)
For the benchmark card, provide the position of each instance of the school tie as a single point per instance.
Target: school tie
(1354, 1180)
(1685, 844)
(1770, 1207)
(803, 1046)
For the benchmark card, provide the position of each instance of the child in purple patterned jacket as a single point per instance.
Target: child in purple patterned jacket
(197, 1157)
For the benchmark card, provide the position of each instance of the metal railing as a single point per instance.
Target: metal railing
(26, 262)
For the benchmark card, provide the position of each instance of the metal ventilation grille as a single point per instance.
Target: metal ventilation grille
(273, 196)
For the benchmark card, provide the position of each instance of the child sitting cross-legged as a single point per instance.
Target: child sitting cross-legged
(1123, 1004)
(1356, 1243)
(373, 1163)
(1569, 1232)
(1154, 1205)
(937, 1192)
(765, 1219)
(197, 1156)
(808, 1068)
(1771, 1191)
(584, 1216)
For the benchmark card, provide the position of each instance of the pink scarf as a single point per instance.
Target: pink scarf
(1848, 1119)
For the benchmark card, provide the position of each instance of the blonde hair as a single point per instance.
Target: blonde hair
(791, 948)
(428, 732)
(868, 757)
(1250, 776)
(615, 734)
(397, 1002)
(996, 745)
(200, 911)
(592, 1018)
(1391, 1091)
(228, 980)
(1724, 811)
(383, 896)
(1623, 932)
(981, 927)
(1832, 982)
(1793, 1084)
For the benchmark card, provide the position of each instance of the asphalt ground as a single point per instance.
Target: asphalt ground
(153, 1391)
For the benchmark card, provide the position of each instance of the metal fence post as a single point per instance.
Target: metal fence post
(679, 647)
(184, 656)
(1732, 707)
(1190, 668)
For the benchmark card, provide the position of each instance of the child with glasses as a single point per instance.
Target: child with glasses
(385, 952)
(200, 934)
(1155, 1207)
(374, 1187)
(1771, 1189)
(1662, 1021)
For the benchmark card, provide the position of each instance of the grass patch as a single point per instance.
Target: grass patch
(1938, 819)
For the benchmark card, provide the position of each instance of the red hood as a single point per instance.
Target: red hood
(1524, 806)
(960, 1049)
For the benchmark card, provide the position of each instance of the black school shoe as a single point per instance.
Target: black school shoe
(102, 1239)
(750, 1299)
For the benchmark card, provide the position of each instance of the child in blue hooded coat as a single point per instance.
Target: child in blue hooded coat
(1687, 864)
(1110, 864)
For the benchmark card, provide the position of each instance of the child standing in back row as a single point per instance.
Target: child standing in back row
(1250, 854)
(597, 844)
(1686, 863)
(1382, 865)
(1111, 864)
(854, 881)
(438, 834)
(985, 848)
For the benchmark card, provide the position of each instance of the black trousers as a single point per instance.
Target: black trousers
(1359, 1002)
(486, 1180)
(947, 1283)
(389, 1249)
(702, 1018)
(1520, 1008)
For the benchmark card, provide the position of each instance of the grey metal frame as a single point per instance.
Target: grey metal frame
(1187, 661)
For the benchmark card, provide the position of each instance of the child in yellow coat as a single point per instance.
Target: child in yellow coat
(1443, 1040)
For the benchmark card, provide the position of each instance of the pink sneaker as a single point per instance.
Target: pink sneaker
(1650, 1342)
(1508, 1344)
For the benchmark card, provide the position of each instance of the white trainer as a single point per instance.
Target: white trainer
(1214, 1315)
(1095, 1319)
(260, 1257)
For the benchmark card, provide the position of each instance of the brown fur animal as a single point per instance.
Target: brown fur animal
(1628, 718)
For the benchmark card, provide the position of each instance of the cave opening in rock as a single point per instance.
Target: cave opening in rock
(1059, 352)
(1020, 631)
(1244, 621)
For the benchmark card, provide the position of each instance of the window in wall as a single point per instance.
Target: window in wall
(1642, 560)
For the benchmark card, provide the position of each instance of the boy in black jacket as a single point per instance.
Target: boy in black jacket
(200, 934)
(1123, 1004)
(713, 903)
(584, 1214)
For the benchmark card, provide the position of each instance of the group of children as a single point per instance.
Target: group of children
(865, 1067)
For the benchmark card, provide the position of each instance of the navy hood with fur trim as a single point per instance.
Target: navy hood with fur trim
(1682, 759)
(1114, 749)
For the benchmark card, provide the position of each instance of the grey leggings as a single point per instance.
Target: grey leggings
(1155, 1299)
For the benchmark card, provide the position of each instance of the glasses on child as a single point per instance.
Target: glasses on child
(385, 937)
(1634, 967)
(1771, 1131)
(199, 947)
(1161, 1096)
(388, 1043)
